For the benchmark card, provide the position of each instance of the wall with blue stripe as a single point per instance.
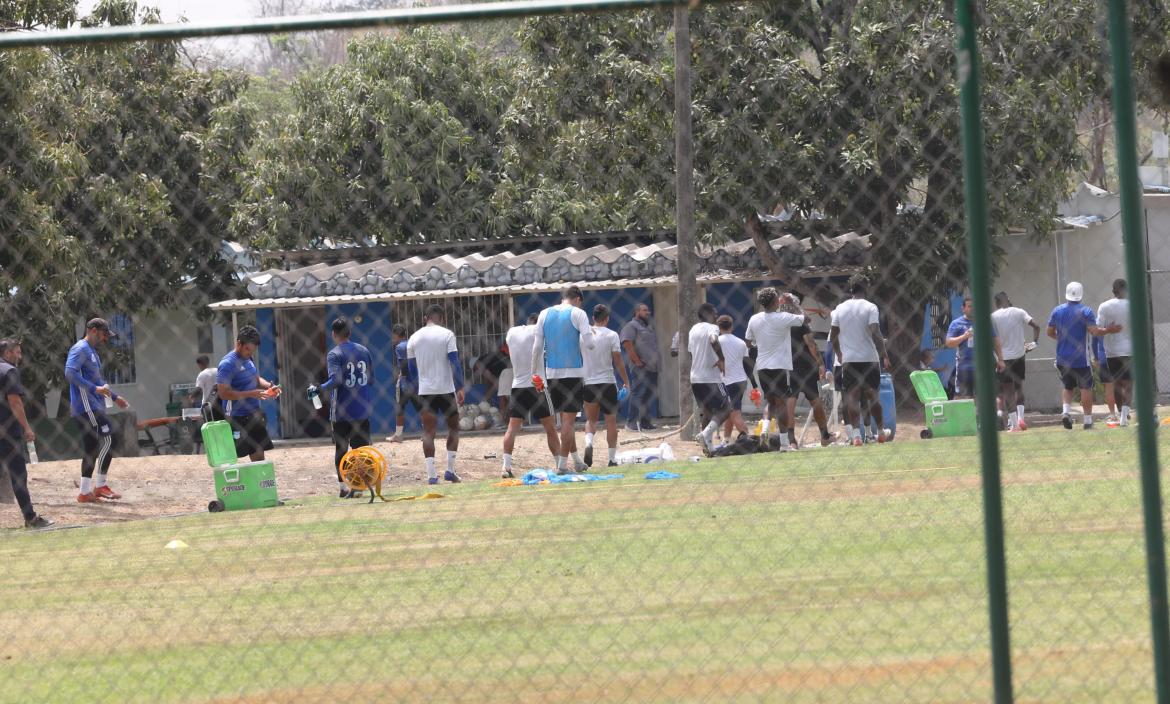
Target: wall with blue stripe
(266, 363)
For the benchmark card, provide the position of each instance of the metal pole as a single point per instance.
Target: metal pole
(684, 212)
(978, 247)
(439, 14)
(1143, 368)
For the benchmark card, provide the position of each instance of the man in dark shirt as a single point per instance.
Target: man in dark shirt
(808, 369)
(14, 430)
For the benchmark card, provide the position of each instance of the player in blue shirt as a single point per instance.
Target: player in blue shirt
(406, 386)
(240, 389)
(1071, 324)
(351, 370)
(87, 394)
(961, 337)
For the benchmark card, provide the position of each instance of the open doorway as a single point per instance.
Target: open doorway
(300, 350)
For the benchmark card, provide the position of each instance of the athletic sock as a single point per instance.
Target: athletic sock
(342, 487)
(507, 461)
(1088, 419)
(848, 432)
(86, 485)
(1012, 420)
(561, 462)
(398, 432)
(709, 431)
(431, 473)
(1020, 412)
(588, 439)
(99, 480)
(450, 460)
(576, 459)
(613, 454)
(1124, 415)
(1067, 409)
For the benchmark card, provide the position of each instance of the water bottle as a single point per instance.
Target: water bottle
(32, 452)
(317, 400)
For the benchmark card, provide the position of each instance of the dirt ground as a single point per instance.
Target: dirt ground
(164, 485)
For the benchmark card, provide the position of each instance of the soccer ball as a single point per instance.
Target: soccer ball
(466, 423)
(483, 422)
(484, 407)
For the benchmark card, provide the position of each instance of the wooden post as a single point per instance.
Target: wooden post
(684, 213)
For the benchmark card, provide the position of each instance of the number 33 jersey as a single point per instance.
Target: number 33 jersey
(350, 378)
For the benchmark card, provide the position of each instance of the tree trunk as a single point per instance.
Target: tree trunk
(772, 262)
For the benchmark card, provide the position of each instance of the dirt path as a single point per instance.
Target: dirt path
(173, 484)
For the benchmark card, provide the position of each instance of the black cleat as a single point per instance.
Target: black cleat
(1066, 422)
(37, 523)
(612, 464)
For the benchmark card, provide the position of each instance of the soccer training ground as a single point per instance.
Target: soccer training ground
(836, 575)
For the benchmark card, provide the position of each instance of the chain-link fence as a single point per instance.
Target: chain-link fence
(459, 245)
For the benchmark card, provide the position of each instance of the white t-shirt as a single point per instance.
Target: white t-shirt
(772, 335)
(853, 318)
(703, 357)
(734, 351)
(429, 347)
(205, 382)
(519, 341)
(580, 321)
(599, 360)
(1011, 325)
(1116, 310)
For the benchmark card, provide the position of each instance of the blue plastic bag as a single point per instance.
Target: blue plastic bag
(661, 474)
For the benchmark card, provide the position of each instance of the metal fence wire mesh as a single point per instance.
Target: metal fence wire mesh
(759, 485)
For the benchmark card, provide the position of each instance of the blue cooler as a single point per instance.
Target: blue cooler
(889, 408)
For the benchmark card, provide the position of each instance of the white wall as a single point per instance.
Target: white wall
(165, 345)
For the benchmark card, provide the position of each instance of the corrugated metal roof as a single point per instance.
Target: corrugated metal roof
(592, 266)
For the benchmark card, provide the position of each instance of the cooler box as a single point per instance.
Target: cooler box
(943, 418)
(246, 485)
(220, 443)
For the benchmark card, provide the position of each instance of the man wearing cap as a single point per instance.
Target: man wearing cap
(1071, 324)
(88, 392)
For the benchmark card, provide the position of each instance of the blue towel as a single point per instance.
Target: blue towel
(538, 476)
(660, 474)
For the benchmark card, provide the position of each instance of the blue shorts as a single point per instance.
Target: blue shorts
(965, 381)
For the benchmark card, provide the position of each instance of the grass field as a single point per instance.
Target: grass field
(841, 575)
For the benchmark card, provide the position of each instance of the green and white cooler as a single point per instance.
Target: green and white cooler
(943, 418)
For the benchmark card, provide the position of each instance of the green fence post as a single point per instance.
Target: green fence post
(1143, 368)
(967, 55)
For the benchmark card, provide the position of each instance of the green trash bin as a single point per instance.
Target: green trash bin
(943, 418)
(244, 486)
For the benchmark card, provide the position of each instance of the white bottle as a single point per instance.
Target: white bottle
(32, 452)
(317, 400)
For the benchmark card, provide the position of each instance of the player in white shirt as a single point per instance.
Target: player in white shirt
(1011, 325)
(736, 375)
(526, 400)
(601, 389)
(707, 368)
(563, 336)
(433, 359)
(770, 331)
(858, 342)
(1118, 347)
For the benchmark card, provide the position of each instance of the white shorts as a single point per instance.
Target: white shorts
(505, 383)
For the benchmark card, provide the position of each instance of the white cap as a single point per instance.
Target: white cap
(1074, 291)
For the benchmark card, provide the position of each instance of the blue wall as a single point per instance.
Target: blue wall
(266, 363)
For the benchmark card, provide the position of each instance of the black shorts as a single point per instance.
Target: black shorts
(93, 434)
(861, 375)
(1013, 372)
(566, 394)
(1120, 368)
(712, 398)
(806, 380)
(735, 394)
(1104, 374)
(351, 433)
(407, 397)
(775, 383)
(604, 394)
(1075, 377)
(528, 401)
(251, 434)
(439, 405)
(964, 381)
